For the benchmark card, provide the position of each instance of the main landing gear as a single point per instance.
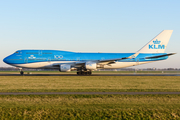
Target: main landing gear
(84, 73)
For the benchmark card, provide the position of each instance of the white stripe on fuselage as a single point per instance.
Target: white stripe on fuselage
(50, 64)
(42, 64)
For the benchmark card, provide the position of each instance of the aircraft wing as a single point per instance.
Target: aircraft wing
(111, 60)
(105, 61)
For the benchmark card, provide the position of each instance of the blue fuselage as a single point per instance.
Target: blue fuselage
(34, 56)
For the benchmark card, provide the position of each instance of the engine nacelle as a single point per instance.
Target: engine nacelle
(91, 66)
(65, 68)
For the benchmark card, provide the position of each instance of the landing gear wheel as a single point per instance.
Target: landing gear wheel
(21, 72)
(84, 73)
(78, 73)
(89, 73)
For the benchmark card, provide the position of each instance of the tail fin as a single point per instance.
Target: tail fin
(157, 44)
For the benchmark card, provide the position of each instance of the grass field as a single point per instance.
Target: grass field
(88, 83)
(90, 107)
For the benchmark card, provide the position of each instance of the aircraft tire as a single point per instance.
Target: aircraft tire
(78, 73)
(22, 73)
(84, 73)
(90, 73)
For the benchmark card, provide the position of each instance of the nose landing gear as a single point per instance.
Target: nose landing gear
(21, 71)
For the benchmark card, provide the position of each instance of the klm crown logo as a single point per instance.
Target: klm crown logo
(156, 42)
(156, 45)
(32, 57)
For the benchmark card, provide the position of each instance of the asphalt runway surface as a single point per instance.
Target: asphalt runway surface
(90, 93)
(99, 74)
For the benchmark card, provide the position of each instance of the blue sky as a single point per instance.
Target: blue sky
(89, 26)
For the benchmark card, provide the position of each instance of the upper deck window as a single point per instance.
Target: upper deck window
(31, 53)
(18, 52)
(47, 53)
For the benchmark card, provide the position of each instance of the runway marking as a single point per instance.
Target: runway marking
(90, 93)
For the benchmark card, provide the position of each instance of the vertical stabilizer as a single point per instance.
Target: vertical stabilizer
(157, 44)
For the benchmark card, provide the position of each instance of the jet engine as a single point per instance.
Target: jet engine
(91, 65)
(65, 68)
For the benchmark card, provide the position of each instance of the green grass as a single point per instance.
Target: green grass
(90, 107)
(88, 83)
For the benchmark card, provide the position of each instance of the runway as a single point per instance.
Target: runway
(90, 93)
(99, 74)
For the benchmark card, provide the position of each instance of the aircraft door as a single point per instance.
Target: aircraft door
(137, 61)
(78, 58)
(40, 52)
(26, 60)
(49, 59)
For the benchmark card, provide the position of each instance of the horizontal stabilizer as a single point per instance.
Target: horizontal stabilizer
(159, 56)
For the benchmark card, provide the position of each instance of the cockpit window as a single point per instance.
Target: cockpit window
(16, 52)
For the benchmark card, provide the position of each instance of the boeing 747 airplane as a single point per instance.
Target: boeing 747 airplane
(84, 63)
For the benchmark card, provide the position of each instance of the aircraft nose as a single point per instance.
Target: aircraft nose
(5, 60)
